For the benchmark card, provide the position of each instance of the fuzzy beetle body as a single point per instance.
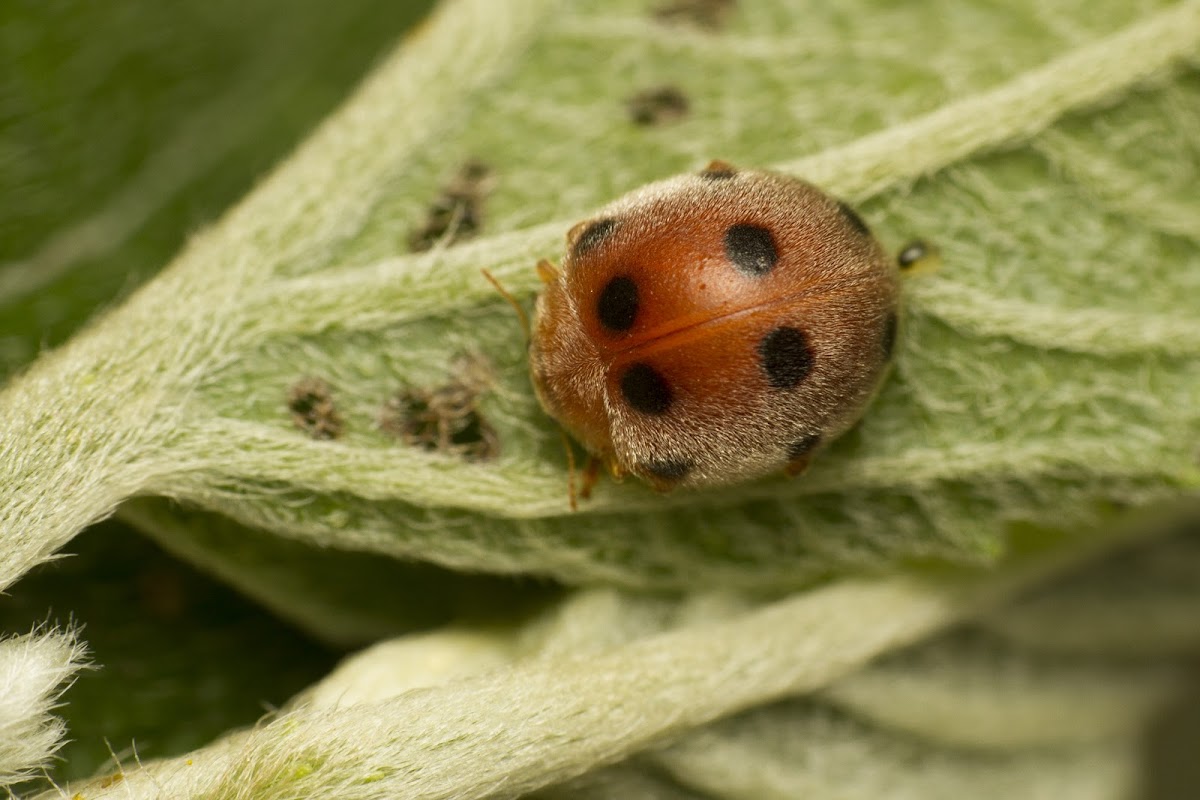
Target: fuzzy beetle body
(714, 327)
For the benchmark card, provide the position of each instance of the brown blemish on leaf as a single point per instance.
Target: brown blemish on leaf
(457, 212)
(709, 14)
(311, 402)
(112, 780)
(659, 105)
(446, 418)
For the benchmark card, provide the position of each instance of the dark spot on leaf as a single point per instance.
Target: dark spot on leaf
(311, 402)
(445, 418)
(112, 780)
(709, 14)
(457, 212)
(659, 105)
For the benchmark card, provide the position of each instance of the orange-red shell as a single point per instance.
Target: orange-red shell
(715, 327)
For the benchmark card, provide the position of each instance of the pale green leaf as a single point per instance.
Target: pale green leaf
(975, 694)
(1049, 370)
(605, 676)
(1144, 605)
(791, 751)
(424, 729)
(321, 591)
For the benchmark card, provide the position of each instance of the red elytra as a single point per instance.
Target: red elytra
(715, 327)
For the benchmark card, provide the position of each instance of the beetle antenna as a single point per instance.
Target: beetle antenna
(572, 497)
(512, 301)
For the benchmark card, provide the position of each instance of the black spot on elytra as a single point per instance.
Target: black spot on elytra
(668, 469)
(618, 304)
(593, 235)
(645, 389)
(785, 357)
(803, 446)
(854, 219)
(889, 334)
(751, 249)
(717, 174)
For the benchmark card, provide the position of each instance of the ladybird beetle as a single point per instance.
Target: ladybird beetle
(714, 327)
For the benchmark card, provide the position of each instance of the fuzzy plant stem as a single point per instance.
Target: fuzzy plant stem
(503, 734)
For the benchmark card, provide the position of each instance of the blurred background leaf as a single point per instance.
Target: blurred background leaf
(128, 125)
(125, 127)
